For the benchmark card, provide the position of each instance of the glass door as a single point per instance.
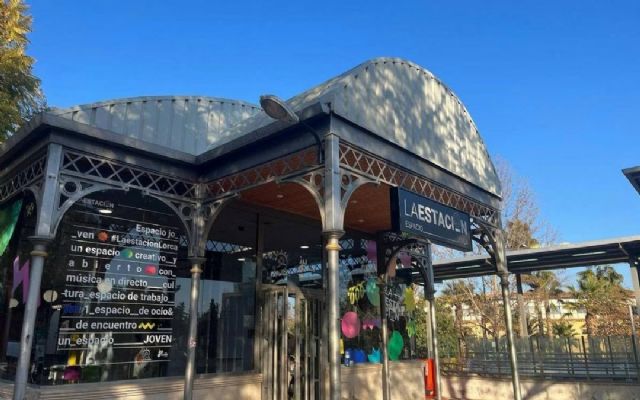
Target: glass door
(291, 343)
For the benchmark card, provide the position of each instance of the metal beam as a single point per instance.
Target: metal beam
(608, 251)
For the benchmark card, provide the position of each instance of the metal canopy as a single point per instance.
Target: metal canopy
(402, 103)
(183, 123)
(633, 174)
(609, 251)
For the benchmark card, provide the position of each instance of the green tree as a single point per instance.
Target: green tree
(447, 336)
(563, 329)
(602, 298)
(456, 295)
(524, 228)
(544, 285)
(20, 94)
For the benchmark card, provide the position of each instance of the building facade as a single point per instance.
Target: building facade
(179, 247)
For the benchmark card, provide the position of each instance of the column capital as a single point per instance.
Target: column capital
(333, 234)
(197, 260)
(40, 244)
(41, 240)
(196, 264)
(332, 238)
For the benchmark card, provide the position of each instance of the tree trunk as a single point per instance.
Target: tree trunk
(588, 322)
(547, 317)
(540, 321)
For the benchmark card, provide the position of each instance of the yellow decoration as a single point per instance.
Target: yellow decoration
(356, 292)
(409, 300)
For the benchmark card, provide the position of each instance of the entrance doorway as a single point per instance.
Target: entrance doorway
(291, 344)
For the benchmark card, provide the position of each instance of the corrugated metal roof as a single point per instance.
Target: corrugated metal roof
(392, 98)
(407, 105)
(186, 123)
(585, 254)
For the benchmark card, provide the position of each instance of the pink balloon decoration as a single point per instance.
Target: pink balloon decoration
(350, 325)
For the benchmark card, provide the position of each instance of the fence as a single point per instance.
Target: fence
(603, 358)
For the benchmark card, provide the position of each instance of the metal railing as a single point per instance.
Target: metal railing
(602, 358)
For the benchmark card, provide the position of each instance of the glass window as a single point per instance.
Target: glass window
(226, 317)
(14, 277)
(360, 323)
(112, 302)
(360, 311)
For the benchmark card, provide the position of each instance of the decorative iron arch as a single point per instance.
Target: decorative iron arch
(75, 196)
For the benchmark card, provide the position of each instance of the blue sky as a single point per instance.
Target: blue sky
(554, 87)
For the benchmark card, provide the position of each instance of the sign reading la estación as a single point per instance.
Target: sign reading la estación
(420, 216)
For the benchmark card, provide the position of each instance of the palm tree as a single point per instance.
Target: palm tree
(599, 294)
(563, 329)
(544, 286)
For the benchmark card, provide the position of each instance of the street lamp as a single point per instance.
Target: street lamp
(277, 109)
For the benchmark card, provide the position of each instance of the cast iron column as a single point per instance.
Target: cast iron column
(332, 230)
(430, 294)
(386, 386)
(44, 234)
(635, 283)
(333, 305)
(196, 270)
(38, 256)
(513, 358)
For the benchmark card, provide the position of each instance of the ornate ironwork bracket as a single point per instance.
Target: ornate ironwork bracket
(491, 239)
(349, 183)
(390, 244)
(284, 168)
(383, 171)
(25, 177)
(313, 181)
(205, 217)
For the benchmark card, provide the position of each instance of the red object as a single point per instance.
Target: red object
(71, 374)
(150, 270)
(429, 378)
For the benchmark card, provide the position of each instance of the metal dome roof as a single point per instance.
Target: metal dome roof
(406, 105)
(186, 123)
(392, 98)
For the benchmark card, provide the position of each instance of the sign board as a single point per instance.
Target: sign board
(420, 216)
(120, 284)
